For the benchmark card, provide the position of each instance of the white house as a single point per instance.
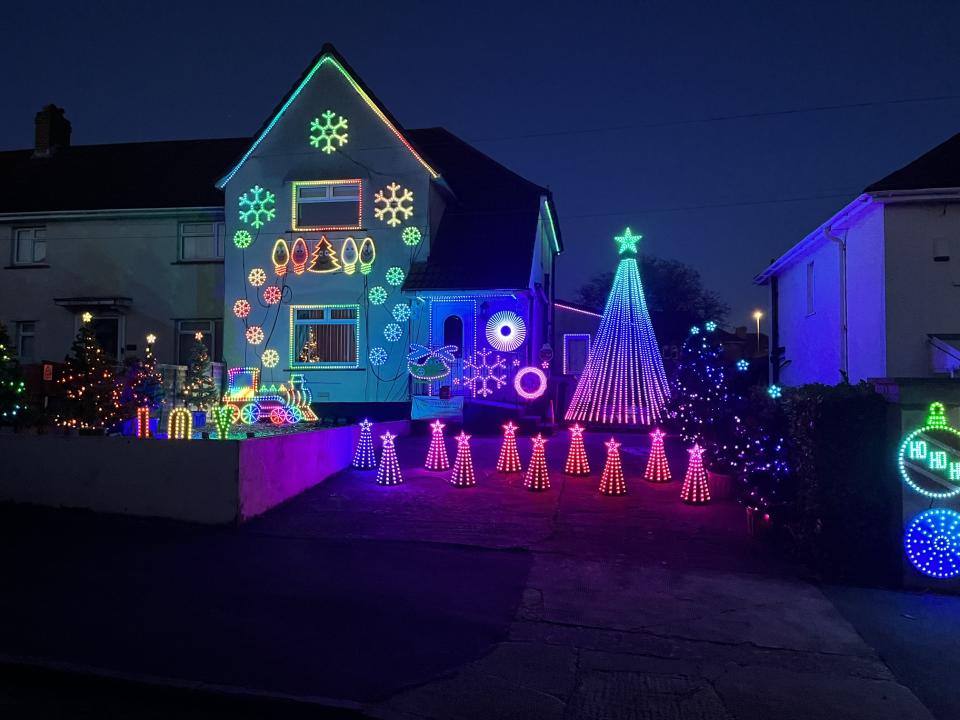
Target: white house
(874, 292)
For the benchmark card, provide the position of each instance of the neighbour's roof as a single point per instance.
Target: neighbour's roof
(937, 168)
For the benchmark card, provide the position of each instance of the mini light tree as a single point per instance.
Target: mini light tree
(463, 475)
(695, 490)
(89, 381)
(199, 390)
(388, 472)
(611, 480)
(12, 386)
(143, 386)
(577, 464)
(658, 469)
(509, 459)
(537, 477)
(364, 457)
(437, 452)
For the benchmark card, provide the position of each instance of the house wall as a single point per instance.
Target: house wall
(866, 336)
(126, 256)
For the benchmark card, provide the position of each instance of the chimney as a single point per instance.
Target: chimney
(51, 131)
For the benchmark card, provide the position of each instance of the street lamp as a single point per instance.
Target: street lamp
(756, 316)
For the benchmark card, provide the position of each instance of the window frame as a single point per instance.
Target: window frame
(19, 334)
(121, 320)
(295, 202)
(15, 245)
(335, 365)
(566, 351)
(213, 332)
(219, 239)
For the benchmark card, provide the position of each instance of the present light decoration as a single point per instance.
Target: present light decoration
(437, 452)
(612, 481)
(388, 472)
(577, 464)
(658, 469)
(364, 457)
(537, 477)
(463, 475)
(509, 459)
(623, 382)
(694, 490)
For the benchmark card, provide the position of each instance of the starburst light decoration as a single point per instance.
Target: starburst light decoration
(241, 308)
(483, 373)
(401, 312)
(506, 331)
(411, 236)
(270, 358)
(324, 135)
(257, 206)
(377, 356)
(377, 295)
(257, 277)
(393, 206)
(254, 335)
(392, 332)
(242, 239)
(394, 276)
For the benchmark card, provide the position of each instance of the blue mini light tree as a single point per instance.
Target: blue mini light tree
(364, 458)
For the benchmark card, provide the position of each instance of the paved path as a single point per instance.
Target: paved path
(424, 600)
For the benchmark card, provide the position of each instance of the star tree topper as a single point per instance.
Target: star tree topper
(365, 424)
(658, 434)
(462, 439)
(510, 429)
(437, 425)
(696, 452)
(627, 242)
(612, 444)
(388, 438)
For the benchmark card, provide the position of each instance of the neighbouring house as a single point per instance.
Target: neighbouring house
(873, 292)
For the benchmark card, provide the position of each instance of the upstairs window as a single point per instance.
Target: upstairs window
(30, 246)
(201, 241)
(327, 205)
(324, 336)
(26, 338)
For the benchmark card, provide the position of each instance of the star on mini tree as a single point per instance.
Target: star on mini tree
(328, 132)
(483, 372)
(257, 206)
(396, 206)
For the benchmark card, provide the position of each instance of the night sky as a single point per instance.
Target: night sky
(623, 109)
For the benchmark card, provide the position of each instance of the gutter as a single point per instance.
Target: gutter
(109, 213)
(841, 241)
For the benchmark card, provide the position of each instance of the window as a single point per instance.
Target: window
(324, 336)
(30, 246)
(576, 350)
(108, 331)
(327, 205)
(186, 332)
(201, 241)
(26, 338)
(810, 306)
(453, 334)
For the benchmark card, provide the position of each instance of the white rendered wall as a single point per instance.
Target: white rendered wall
(866, 333)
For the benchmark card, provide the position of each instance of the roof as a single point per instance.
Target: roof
(937, 168)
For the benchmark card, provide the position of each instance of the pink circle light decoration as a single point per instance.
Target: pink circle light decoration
(541, 387)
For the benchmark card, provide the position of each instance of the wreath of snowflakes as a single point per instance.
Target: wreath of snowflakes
(254, 334)
(272, 294)
(257, 277)
(411, 236)
(242, 239)
(378, 356)
(377, 295)
(397, 206)
(483, 373)
(270, 358)
(257, 206)
(394, 275)
(392, 332)
(401, 312)
(328, 132)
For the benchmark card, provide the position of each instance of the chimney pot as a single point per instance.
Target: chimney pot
(51, 131)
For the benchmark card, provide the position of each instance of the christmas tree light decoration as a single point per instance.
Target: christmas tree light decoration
(612, 481)
(577, 464)
(349, 256)
(242, 239)
(324, 259)
(368, 253)
(12, 385)
(401, 312)
(506, 331)
(328, 133)
(141, 388)
(411, 236)
(257, 277)
(299, 255)
(254, 334)
(483, 372)
(396, 206)
(388, 472)
(272, 294)
(280, 257)
(143, 421)
(392, 332)
(658, 469)
(394, 276)
(257, 206)
(92, 393)
(537, 477)
(377, 295)
(929, 456)
(364, 457)
(694, 490)
(775, 391)
(710, 326)
(509, 459)
(463, 475)
(199, 389)
(623, 381)
(537, 390)
(223, 417)
(932, 543)
(377, 356)
(180, 424)
(270, 358)
(437, 452)
(428, 364)
(241, 308)
(743, 365)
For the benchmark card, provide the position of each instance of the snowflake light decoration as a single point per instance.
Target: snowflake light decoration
(397, 206)
(775, 391)
(241, 308)
(743, 364)
(392, 332)
(257, 277)
(411, 236)
(378, 356)
(395, 275)
(377, 295)
(257, 206)
(710, 325)
(328, 132)
(254, 334)
(401, 312)
(272, 294)
(242, 239)
(694, 330)
(483, 373)
(270, 358)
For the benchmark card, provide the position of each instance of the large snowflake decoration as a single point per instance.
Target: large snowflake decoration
(257, 206)
(483, 373)
(394, 275)
(378, 356)
(328, 132)
(377, 295)
(411, 236)
(401, 312)
(392, 332)
(397, 206)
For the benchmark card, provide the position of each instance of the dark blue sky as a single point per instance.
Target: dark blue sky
(611, 104)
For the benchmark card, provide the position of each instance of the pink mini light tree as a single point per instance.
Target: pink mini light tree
(364, 457)
(611, 480)
(537, 477)
(657, 470)
(695, 490)
(388, 473)
(463, 475)
(577, 464)
(509, 460)
(437, 452)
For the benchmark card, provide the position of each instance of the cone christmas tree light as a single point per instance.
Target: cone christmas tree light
(388, 472)
(695, 490)
(509, 460)
(437, 452)
(199, 390)
(463, 475)
(577, 463)
(92, 395)
(623, 382)
(363, 457)
(611, 481)
(537, 477)
(657, 469)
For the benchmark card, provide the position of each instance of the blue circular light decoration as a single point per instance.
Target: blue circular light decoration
(932, 543)
(775, 391)
(378, 356)
(506, 331)
(743, 364)
(710, 326)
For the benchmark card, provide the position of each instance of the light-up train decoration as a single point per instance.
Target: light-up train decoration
(280, 403)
